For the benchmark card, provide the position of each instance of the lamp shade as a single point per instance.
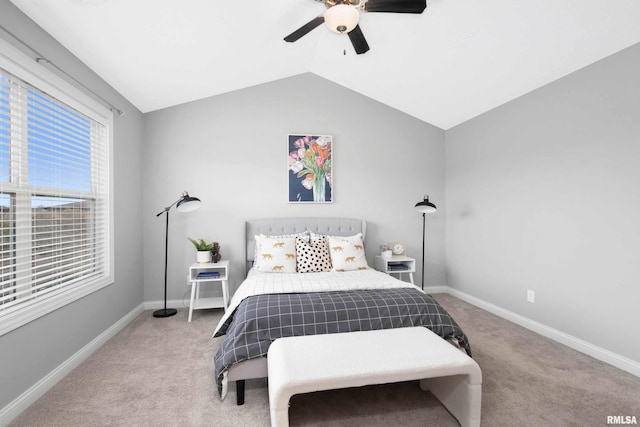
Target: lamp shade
(425, 206)
(341, 18)
(188, 203)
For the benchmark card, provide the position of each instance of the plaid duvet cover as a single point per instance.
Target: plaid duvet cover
(261, 319)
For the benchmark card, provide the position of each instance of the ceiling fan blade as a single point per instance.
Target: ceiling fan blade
(305, 29)
(396, 6)
(358, 41)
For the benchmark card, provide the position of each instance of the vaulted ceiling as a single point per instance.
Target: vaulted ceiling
(458, 59)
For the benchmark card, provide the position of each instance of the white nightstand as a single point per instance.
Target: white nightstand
(396, 265)
(208, 273)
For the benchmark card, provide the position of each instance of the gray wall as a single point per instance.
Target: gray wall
(231, 151)
(543, 194)
(29, 353)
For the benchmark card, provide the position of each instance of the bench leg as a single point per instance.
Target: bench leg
(280, 417)
(460, 397)
(240, 392)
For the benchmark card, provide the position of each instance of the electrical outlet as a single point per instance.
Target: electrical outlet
(531, 296)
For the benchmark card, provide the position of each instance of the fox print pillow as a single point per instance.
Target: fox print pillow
(275, 254)
(347, 253)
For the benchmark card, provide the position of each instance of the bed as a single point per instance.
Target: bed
(275, 301)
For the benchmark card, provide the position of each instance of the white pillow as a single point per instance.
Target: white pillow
(347, 253)
(275, 254)
(304, 235)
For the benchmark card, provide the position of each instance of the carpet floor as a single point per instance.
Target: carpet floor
(160, 372)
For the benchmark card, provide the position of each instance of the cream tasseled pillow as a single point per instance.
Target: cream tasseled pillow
(347, 253)
(275, 255)
(304, 234)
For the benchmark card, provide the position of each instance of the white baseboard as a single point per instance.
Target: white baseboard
(22, 402)
(157, 305)
(436, 290)
(582, 346)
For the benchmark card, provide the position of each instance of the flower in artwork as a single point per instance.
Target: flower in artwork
(307, 182)
(295, 165)
(302, 142)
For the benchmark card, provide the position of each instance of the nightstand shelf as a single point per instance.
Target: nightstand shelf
(396, 265)
(208, 274)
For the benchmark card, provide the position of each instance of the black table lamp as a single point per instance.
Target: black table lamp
(185, 203)
(424, 207)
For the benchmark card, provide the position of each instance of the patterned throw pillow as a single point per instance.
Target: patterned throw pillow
(304, 234)
(347, 253)
(312, 257)
(275, 255)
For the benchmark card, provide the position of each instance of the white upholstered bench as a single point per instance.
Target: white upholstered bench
(311, 363)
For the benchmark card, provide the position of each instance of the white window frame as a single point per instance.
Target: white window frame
(25, 68)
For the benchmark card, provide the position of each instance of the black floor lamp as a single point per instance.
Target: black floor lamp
(185, 203)
(425, 207)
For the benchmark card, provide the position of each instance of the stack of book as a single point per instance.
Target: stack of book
(398, 267)
(208, 274)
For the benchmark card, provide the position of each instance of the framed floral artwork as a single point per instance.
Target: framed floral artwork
(310, 168)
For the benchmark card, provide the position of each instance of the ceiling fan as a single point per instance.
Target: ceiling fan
(342, 16)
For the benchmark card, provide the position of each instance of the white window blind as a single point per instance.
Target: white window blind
(54, 200)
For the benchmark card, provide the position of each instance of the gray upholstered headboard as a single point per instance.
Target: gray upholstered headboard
(280, 226)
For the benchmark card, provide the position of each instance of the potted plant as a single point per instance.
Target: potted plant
(386, 251)
(203, 254)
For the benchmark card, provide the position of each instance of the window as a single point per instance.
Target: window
(55, 202)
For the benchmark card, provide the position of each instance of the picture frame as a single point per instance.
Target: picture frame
(310, 168)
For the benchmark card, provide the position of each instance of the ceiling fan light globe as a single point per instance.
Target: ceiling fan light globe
(341, 18)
